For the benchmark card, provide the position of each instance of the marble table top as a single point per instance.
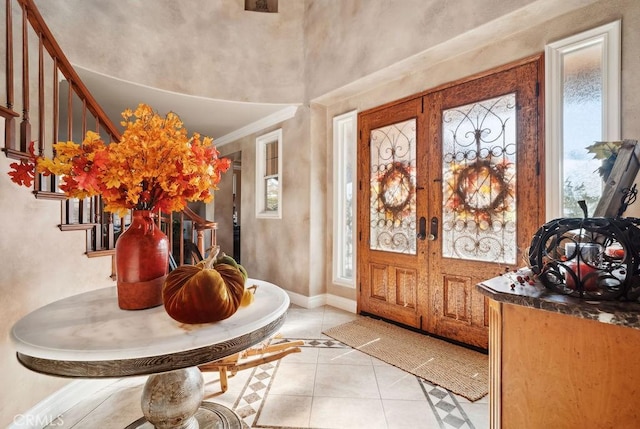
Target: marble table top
(88, 335)
(537, 296)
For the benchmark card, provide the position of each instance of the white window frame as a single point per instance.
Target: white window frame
(609, 36)
(344, 126)
(261, 153)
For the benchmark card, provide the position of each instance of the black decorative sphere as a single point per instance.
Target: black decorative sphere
(592, 258)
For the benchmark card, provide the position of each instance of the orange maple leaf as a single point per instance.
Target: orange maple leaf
(23, 172)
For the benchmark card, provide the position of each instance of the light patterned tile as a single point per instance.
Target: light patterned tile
(285, 411)
(125, 401)
(302, 330)
(124, 393)
(334, 317)
(394, 383)
(294, 379)
(446, 408)
(478, 413)
(307, 354)
(401, 414)
(213, 390)
(345, 381)
(343, 356)
(251, 399)
(351, 413)
(309, 316)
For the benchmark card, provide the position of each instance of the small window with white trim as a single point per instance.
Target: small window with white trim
(269, 175)
(582, 108)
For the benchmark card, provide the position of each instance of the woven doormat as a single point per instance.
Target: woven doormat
(459, 370)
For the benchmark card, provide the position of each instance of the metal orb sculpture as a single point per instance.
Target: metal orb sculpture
(590, 258)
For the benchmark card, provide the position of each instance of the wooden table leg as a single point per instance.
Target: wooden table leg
(224, 381)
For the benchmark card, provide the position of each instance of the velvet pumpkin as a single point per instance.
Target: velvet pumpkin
(203, 293)
(226, 259)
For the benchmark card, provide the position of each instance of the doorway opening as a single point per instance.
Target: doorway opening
(228, 208)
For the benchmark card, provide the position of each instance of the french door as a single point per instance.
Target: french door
(392, 276)
(451, 194)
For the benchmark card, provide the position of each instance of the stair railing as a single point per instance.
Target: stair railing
(64, 110)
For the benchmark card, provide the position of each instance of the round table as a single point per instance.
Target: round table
(89, 336)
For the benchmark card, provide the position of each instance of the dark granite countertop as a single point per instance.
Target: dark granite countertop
(535, 295)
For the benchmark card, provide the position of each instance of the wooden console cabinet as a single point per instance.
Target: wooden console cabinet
(559, 362)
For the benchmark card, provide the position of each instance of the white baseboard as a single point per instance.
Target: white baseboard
(323, 299)
(342, 303)
(49, 409)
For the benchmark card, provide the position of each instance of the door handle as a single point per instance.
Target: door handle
(433, 230)
(422, 228)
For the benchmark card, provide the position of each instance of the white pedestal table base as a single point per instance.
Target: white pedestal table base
(208, 416)
(173, 400)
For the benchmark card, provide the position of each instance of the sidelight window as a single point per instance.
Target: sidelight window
(344, 209)
(583, 107)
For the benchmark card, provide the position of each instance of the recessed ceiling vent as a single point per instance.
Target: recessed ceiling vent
(269, 6)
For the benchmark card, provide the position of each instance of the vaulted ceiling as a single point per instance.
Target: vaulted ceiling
(223, 120)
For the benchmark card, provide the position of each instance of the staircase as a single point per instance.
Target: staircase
(46, 102)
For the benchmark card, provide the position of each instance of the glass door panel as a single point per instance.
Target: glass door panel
(393, 185)
(479, 181)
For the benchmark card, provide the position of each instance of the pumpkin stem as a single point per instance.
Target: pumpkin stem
(213, 253)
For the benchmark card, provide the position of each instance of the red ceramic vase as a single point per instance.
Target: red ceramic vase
(142, 263)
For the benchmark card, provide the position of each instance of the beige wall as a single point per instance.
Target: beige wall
(205, 48)
(349, 40)
(278, 250)
(333, 61)
(39, 264)
(486, 49)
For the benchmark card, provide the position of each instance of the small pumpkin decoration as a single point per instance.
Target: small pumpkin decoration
(209, 291)
(248, 296)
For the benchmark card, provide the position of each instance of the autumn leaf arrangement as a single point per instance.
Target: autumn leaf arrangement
(155, 165)
(607, 153)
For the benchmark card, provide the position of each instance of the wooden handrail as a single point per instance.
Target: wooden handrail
(63, 64)
(198, 229)
(86, 215)
(201, 225)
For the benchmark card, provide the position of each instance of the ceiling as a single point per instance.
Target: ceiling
(223, 120)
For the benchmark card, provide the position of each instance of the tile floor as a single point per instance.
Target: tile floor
(327, 385)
